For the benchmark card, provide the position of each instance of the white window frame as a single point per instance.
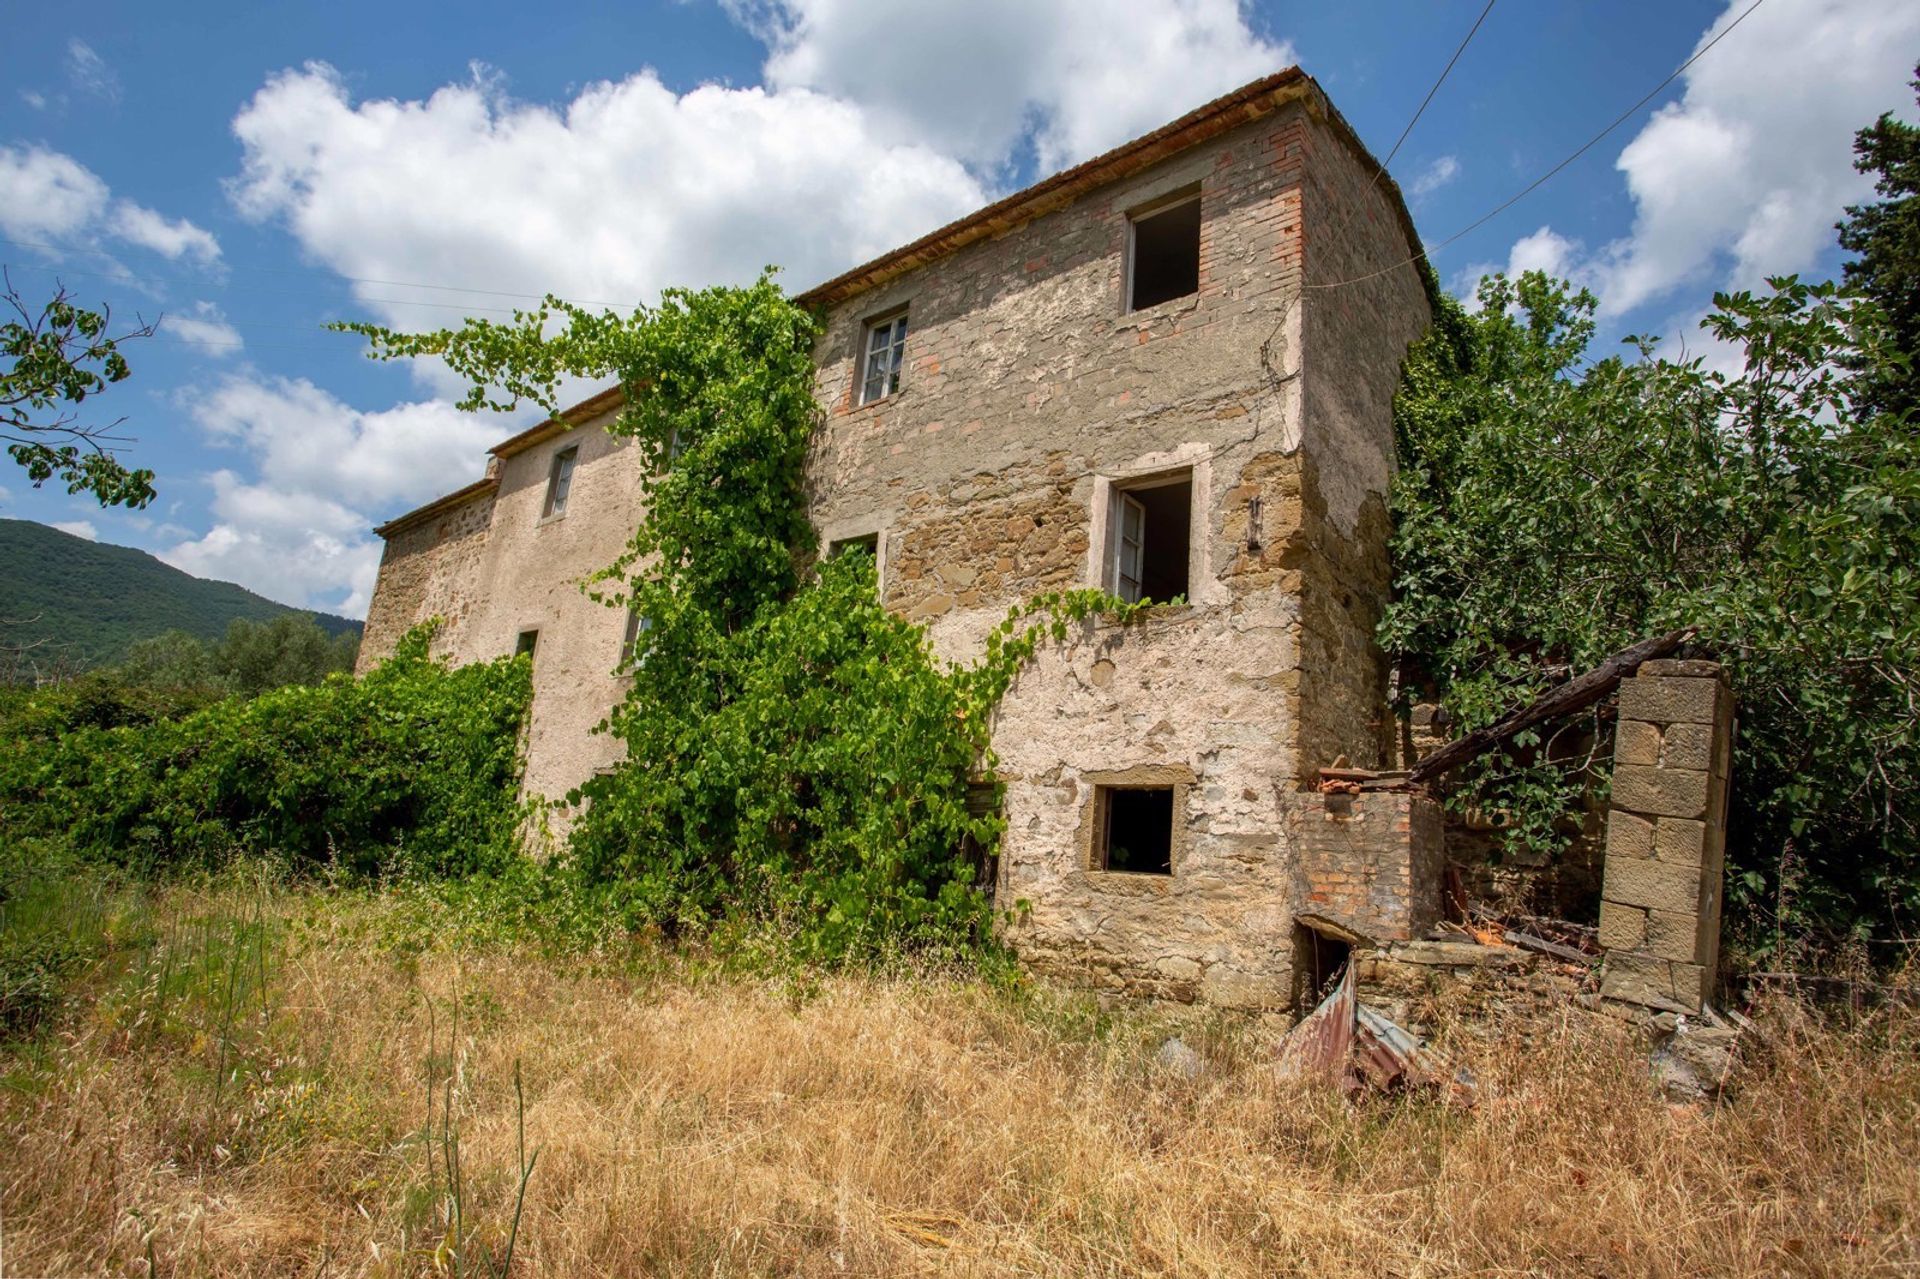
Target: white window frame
(1129, 524)
(1126, 532)
(560, 482)
(882, 357)
(637, 624)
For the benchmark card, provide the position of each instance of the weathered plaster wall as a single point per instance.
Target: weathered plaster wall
(532, 578)
(500, 569)
(1364, 304)
(1029, 392)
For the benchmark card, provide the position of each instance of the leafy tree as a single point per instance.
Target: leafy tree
(254, 658)
(289, 649)
(1552, 508)
(56, 358)
(1886, 235)
(171, 659)
(796, 757)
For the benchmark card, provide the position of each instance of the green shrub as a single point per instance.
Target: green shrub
(415, 768)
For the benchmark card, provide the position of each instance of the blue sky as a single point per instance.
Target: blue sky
(254, 171)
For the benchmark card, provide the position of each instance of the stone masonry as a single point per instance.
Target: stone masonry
(1666, 836)
(1030, 393)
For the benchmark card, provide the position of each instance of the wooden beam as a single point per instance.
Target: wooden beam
(1576, 694)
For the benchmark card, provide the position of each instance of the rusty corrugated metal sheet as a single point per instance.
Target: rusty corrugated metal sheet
(1322, 1044)
(1355, 1047)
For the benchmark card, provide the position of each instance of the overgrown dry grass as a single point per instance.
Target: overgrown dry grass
(245, 1088)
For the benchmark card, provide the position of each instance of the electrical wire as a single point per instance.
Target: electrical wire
(351, 279)
(1429, 250)
(1444, 73)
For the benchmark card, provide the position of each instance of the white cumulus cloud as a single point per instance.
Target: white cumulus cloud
(627, 188)
(976, 79)
(322, 473)
(49, 197)
(79, 528)
(205, 327)
(1745, 175)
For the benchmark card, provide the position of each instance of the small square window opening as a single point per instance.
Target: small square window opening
(1166, 255)
(864, 544)
(560, 482)
(1135, 832)
(524, 645)
(1150, 533)
(884, 351)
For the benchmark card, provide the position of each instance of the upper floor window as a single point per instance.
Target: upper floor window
(560, 481)
(1150, 540)
(884, 351)
(1164, 253)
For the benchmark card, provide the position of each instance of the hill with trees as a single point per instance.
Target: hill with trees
(86, 604)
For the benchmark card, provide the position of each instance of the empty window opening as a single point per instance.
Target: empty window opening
(864, 544)
(884, 351)
(1136, 829)
(1150, 528)
(524, 645)
(1166, 255)
(982, 800)
(560, 482)
(637, 625)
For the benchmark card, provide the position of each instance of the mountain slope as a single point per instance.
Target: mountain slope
(91, 601)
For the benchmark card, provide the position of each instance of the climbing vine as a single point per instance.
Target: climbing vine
(797, 757)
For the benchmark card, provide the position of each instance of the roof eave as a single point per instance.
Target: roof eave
(440, 505)
(540, 432)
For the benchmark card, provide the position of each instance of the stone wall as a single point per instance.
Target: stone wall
(1029, 392)
(1666, 836)
(429, 569)
(1363, 304)
(500, 567)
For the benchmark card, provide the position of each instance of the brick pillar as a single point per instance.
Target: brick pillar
(1667, 835)
(1370, 863)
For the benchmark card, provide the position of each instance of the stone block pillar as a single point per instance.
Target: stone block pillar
(1666, 835)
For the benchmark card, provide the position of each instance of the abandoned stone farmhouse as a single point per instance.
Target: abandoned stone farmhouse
(1125, 376)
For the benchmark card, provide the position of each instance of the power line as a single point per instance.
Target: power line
(351, 279)
(302, 297)
(1537, 183)
(1444, 73)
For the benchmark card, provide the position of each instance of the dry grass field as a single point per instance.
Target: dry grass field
(278, 1082)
